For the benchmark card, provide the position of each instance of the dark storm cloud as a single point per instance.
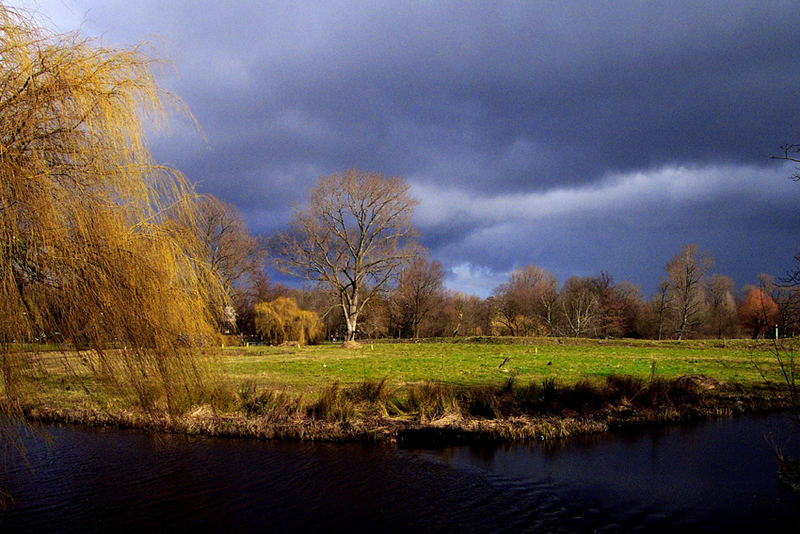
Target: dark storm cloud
(534, 93)
(532, 109)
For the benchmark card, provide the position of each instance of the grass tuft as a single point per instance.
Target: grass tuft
(486, 402)
(624, 387)
(432, 400)
(332, 405)
(369, 391)
(276, 404)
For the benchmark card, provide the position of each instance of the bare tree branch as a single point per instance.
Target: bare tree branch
(354, 234)
(788, 154)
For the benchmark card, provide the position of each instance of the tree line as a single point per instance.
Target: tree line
(368, 277)
(531, 303)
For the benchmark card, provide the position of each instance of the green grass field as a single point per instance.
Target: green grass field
(527, 388)
(315, 367)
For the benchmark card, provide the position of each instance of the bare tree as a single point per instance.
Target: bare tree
(610, 320)
(685, 274)
(506, 310)
(448, 313)
(787, 297)
(419, 285)
(660, 306)
(789, 469)
(472, 315)
(354, 234)
(579, 304)
(721, 305)
(232, 251)
(524, 304)
(632, 308)
(227, 243)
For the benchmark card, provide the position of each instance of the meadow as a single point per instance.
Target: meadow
(486, 388)
(490, 361)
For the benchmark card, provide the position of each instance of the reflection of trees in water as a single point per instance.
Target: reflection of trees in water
(485, 453)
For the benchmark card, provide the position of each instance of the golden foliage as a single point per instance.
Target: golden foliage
(282, 321)
(89, 251)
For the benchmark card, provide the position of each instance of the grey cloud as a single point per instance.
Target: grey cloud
(630, 227)
(485, 100)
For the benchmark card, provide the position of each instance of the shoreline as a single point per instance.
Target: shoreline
(413, 431)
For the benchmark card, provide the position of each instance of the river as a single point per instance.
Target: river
(715, 476)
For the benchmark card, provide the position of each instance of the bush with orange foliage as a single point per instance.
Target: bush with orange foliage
(757, 313)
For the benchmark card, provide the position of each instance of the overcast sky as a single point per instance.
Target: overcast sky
(577, 136)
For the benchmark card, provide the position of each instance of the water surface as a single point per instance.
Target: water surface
(715, 476)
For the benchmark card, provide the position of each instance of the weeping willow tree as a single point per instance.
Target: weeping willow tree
(91, 252)
(282, 321)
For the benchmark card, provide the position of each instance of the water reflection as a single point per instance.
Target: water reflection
(718, 473)
(716, 476)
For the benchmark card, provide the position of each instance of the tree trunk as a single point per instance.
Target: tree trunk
(350, 313)
(352, 320)
(684, 322)
(457, 329)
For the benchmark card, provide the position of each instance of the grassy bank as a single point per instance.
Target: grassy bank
(506, 389)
